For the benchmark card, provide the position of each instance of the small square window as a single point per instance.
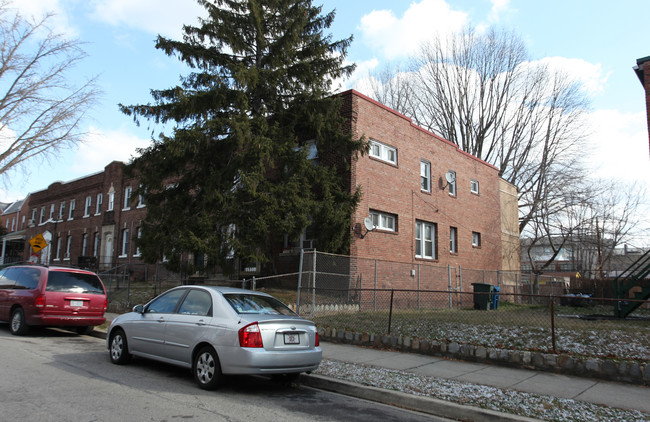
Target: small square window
(473, 186)
(476, 239)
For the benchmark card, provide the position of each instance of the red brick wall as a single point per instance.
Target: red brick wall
(396, 190)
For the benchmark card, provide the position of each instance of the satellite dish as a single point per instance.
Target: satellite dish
(368, 223)
(450, 177)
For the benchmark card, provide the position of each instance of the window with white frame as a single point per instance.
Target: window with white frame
(452, 185)
(13, 224)
(137, 248)
(68, 247)
(84, 244)
(40, 221)
(140, 199)
(111, 201)
(58, 248)
(425, 237)
(71, 212)
(52, 212)
(425, 176)
(127, 198)
(61, 211)
(453, 240)
(384, 221)
(89, 203)
(125, 243)
(473, 186)
(476, 239)
(383, 152)
(96, 245)
(98, 205)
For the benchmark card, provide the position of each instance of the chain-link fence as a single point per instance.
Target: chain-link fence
(489, 308)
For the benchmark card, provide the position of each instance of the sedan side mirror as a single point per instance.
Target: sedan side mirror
(139, 309)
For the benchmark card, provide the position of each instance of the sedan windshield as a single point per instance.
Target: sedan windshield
(256, 304)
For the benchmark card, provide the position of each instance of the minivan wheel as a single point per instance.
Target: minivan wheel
(18, 326)
(119, 350)
(206, 368)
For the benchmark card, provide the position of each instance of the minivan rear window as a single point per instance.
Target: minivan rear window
(63, 281)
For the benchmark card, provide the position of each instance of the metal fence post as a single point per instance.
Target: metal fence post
(390, 312)
(449, 280)
(553, 325)
(460, 288)
(375, 292)
(313, 292)
(419, 282)
(302, 257)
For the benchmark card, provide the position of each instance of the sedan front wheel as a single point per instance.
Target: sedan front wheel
(119, 350)
(206, 368)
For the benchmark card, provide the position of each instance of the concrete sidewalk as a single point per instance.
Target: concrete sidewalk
(625, 396)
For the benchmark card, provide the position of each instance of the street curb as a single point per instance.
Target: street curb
(407, 401)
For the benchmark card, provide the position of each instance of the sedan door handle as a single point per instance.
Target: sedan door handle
(200, 322)
(161, 319)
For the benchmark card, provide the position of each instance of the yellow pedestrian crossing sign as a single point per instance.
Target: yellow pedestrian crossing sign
(38, 242)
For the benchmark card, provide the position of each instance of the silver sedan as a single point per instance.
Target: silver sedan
(215, 331)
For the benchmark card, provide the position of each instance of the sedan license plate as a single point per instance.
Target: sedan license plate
(292, 339)
(76, 303)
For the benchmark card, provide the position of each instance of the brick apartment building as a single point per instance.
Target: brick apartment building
(642, 70)
(430, 202)
(90, 221)
(419, 216)
(14, 221)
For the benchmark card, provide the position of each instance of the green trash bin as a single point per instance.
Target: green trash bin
(482, 296)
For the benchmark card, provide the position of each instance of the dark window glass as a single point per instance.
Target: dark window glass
(256, 304)
(166, 304)
(198, 303)
(27, 278)
(63, 281)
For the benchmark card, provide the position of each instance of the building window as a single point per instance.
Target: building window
(13, 224)
(84, 244)
(34, 215)
(384, 221)
(68, 247)
(89, 202)
(71, 212)
(473, 186)
(383, 152)
(127, 198)
(61, 211)
(58, 248)
(52, 212)
(96, 245)
(125, 243)
(137, 248)
(452, 185)
(98, 206)
(22, 223)
(453, 240)
(40, 221)
(425, 236)
(111, 201)
(425, 176)
(476, 239)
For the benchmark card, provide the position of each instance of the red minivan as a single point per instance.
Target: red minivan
(51, 296)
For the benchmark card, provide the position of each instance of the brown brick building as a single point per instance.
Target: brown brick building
(642, 70)
(88, 221)
(430, 202)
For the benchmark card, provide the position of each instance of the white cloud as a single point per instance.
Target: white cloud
(165, 17)
(100, 148)
(400, 37)
(620, 145)
(591, 75)
(37, 9)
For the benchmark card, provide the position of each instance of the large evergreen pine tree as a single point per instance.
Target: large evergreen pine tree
(236, 175)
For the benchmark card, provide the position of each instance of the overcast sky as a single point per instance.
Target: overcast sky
(596, 41)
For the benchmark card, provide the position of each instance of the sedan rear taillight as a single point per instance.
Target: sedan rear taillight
(317, 340)
(40, 301)
(250, 336)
